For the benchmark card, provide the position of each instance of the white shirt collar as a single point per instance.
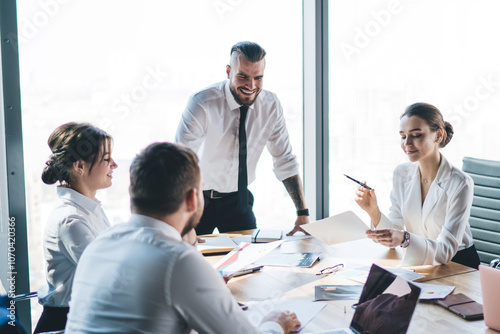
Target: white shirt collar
(75, 197)
(146, 221)
(443, 173)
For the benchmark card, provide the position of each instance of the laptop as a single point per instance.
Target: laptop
(491, 296)
(386, 305)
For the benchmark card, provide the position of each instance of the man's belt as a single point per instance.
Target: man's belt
(213, 194)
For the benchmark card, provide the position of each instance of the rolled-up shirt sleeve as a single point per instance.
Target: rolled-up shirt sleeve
(285, 164)
(202, 299)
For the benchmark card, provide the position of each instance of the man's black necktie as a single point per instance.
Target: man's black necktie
(242, 168)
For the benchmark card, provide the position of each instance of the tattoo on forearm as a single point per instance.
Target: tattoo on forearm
(294, 187)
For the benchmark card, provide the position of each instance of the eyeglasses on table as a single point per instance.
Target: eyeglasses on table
(332, 269)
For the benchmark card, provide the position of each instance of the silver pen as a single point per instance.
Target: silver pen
(247, 271)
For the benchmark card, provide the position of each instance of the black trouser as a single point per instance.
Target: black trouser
(468, 257)
(224, 214)
(52, 319)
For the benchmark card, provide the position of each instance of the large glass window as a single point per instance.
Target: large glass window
(129, 68)
(388, 54)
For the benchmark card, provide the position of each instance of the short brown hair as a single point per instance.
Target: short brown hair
(253, 52)
(161, 177)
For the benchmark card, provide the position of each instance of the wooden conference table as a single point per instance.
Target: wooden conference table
(292, 283)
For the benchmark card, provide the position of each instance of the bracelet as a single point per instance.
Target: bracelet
(304, 212)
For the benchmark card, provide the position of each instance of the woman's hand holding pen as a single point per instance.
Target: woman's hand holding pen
(367, 200)
(389, 237)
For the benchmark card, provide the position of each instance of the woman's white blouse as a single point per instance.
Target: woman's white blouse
(72, 225)
(440, 226)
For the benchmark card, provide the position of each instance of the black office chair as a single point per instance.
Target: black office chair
(485, 213)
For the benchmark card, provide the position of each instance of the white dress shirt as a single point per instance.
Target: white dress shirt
(140, 277)
(438, 228)
(210, 127)
(72, 225)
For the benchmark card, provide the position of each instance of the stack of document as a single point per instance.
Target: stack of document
(216, 244)
(337, 292)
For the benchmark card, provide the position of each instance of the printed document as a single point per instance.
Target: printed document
(346, 226)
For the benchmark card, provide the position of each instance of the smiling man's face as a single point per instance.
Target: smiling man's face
(245, 79)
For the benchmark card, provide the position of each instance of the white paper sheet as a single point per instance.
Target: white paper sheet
(279, 259)
(343, 227)
(409, 275)
(434, 291)
(357, 275)
(360, 273)
(305, 310)
(243, 255)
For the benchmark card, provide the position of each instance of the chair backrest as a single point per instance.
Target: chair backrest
(485, 212)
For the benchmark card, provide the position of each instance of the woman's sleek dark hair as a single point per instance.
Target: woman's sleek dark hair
(433, 117)
(71, 142)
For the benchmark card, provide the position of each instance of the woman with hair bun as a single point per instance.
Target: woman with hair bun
(81, 163)
(431, 199)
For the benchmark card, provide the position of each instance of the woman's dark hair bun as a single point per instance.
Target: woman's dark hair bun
(448, 128)
(48, 175)
(52, 171)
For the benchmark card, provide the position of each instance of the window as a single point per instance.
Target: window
(129, 67)
(386, 55)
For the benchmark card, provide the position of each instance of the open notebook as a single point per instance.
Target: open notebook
(386, 305)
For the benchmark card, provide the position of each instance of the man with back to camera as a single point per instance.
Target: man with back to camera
(228, 124)
(140, 277)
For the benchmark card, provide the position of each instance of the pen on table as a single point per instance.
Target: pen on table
(247, 271)
(361, 184)
(243, 306)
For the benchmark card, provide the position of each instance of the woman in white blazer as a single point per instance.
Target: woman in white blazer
(81, 163)
(431, 199)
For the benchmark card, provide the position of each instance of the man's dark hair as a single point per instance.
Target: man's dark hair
(161, 177)
(253, 52)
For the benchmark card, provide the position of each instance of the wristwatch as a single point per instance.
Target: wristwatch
(406, 240)
(304, 212)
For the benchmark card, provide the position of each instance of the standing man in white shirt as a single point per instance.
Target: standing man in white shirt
(228, 124)
(140, 277)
